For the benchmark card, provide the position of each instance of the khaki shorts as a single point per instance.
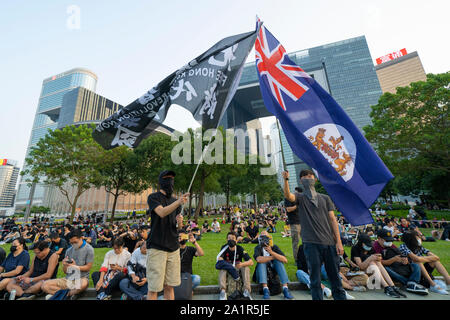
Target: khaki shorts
(163, 268)
(64, 283)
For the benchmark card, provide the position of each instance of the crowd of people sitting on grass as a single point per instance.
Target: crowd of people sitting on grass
(375, 262)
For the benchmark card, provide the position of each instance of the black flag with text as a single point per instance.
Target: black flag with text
(205, 87)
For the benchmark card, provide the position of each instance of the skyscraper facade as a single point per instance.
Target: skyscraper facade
(47, 117)
(9, 172)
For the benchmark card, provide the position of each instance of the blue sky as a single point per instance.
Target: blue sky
(132, 45)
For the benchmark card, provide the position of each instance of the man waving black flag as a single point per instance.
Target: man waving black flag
(205, 87)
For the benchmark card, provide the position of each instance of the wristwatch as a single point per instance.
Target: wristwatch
(31, 281)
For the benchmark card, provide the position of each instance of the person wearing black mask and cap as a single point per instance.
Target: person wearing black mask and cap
(320, 234)
(163, 256)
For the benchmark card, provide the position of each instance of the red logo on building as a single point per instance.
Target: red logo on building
(392, 56)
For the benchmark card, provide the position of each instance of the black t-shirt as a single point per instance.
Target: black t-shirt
(187, 255)
(360, 253)
(252, 231)
(241, 254)
(129, 243)
(293, 216)
(163, 231)
(56, 246)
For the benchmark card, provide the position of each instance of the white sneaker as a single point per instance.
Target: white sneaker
(223, 295)
(438, 289)
(327, 293)
(349, 297)
(47, 297)
(247, 294)
(442, 284)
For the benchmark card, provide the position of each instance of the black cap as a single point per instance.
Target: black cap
(386, 235)
(364, 238)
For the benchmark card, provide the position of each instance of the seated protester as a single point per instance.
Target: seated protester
(187, 254)
(252, 233)
(363, 255)
(303, 273)
(13, 235)
(29, 234)
(58, 245)
(112, 271)
(105, 239)
(352, 278)
(135, 286)
(130, 238)
(206, 227)
(390, 226)
(67, 229)
(43, 267)
(231, 260)
(398, 266)
(239, 232)
(287, 231)
(2, 255)
(196, 232)
(76, 265)
(413, 249)
(15, 264)
(270, 255)
(143, 232)
(90, 236)
(215, 226)
(271, 226)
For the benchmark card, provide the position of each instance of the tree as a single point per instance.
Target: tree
(66, 158)
(411, 132)
(117, 173)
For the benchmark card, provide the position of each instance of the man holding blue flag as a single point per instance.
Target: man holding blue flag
(320, 234)
(320, 132)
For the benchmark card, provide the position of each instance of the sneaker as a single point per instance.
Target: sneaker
(108, 297)
(223, 295)
(101, 296)
(327, 293)
(390, 292)
(287, 294)
(247, 294)
(442, 284)
(401, 294)
(359, 289)
(47, 297)
(416, 288)
(27, 296)
(349, 297)
(438, 289)
(266, 293)
(73, 297)
(124, 296)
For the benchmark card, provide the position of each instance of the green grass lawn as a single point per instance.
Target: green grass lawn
(211, 243)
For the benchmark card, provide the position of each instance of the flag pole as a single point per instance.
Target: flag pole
(281, 146)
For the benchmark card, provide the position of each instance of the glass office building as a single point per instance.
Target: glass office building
(47, 117)
(344, 68)
(9, 172)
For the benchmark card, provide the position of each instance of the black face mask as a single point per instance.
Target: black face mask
(231, 243)
(183, 242)
(167, 184)
(13, 249)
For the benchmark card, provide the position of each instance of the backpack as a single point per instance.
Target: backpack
(235, 289)
(60, 295)
(184, 290)
(273, 281)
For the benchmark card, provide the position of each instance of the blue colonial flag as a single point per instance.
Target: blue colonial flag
(320, 132)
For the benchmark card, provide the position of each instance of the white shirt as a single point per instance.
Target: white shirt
(119, 259)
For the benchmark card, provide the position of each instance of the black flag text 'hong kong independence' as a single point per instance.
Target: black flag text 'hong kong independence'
(205, 87)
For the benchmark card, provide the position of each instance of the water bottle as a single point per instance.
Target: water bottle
(12, 295)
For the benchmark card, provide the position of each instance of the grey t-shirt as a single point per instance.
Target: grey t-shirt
(316, 226)
(82, 256)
